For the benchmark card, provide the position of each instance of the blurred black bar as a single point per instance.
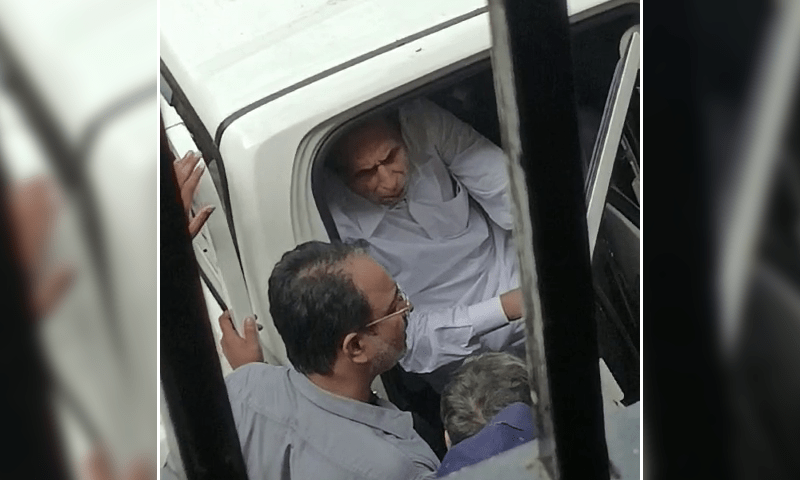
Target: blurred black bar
(31, 449)
(191, 376)
(538, 44)
(687, 416)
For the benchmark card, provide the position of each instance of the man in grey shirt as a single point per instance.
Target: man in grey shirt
(343, 320)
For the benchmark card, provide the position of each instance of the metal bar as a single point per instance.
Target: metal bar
(214, 293)
(535, 95)
(226, 270)
(608, 140)
(191, 377)
(203, 141)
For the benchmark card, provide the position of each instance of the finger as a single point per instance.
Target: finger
(184, 166)
(196, 224)
(34, 204)
(179, 166)
(52, 289)
(190, 186)
(226, 323)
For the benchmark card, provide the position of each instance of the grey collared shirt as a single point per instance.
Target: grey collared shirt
(291, 429)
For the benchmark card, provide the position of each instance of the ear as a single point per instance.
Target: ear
(447, 440)
(354, 349)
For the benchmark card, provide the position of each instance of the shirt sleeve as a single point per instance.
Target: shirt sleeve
(440, 337)
(472, 159)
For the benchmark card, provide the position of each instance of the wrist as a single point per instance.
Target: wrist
(511, 303)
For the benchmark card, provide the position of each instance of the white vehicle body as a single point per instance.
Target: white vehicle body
(306, 69)
(269, 83)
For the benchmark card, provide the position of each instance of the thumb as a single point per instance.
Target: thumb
(196, 224)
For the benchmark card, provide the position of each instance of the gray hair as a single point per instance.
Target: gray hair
(482, 387)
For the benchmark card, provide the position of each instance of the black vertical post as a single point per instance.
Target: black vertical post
(32, 449)
(688, 418)
(533, 75)
(191, 376)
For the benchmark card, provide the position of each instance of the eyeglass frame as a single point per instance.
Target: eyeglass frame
(403, 311)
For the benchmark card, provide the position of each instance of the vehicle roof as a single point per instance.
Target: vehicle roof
(227, 55)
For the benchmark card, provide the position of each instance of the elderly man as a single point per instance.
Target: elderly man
(343, 320)
(429, 195)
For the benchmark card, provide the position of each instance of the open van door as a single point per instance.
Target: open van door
(216, 253)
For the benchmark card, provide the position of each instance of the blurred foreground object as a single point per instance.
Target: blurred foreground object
(33, 206)
(722, 283)
(99, 468)
(34, 450)
(77, 107)
(196, 414)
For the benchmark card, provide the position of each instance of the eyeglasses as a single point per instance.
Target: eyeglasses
(403, 311)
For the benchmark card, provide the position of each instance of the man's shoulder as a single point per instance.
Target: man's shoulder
(254, 376)
(277, 408)
(257, 369)
(419, 106)
(511, 427)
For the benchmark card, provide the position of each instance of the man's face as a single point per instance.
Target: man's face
(375, 162)
(386, 340)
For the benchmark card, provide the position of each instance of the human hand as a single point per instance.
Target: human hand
(98, 467)
(188, 179)
(33, 206)
(512, 304)
(240, 351)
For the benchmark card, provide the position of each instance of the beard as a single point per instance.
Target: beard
(387, 356)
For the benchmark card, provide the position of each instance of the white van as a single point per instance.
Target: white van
(261, 89)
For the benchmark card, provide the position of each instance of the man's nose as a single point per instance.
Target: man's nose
(387, 179)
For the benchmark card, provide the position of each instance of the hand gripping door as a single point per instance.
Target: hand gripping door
(216, 254)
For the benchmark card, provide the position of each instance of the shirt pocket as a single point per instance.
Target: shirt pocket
(443, 219)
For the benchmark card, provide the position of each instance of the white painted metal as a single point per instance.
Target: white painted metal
(73, 52)
(216, 254)
(608, 142)
(226, 55)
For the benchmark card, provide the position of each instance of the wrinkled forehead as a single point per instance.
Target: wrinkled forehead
(368, 142)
